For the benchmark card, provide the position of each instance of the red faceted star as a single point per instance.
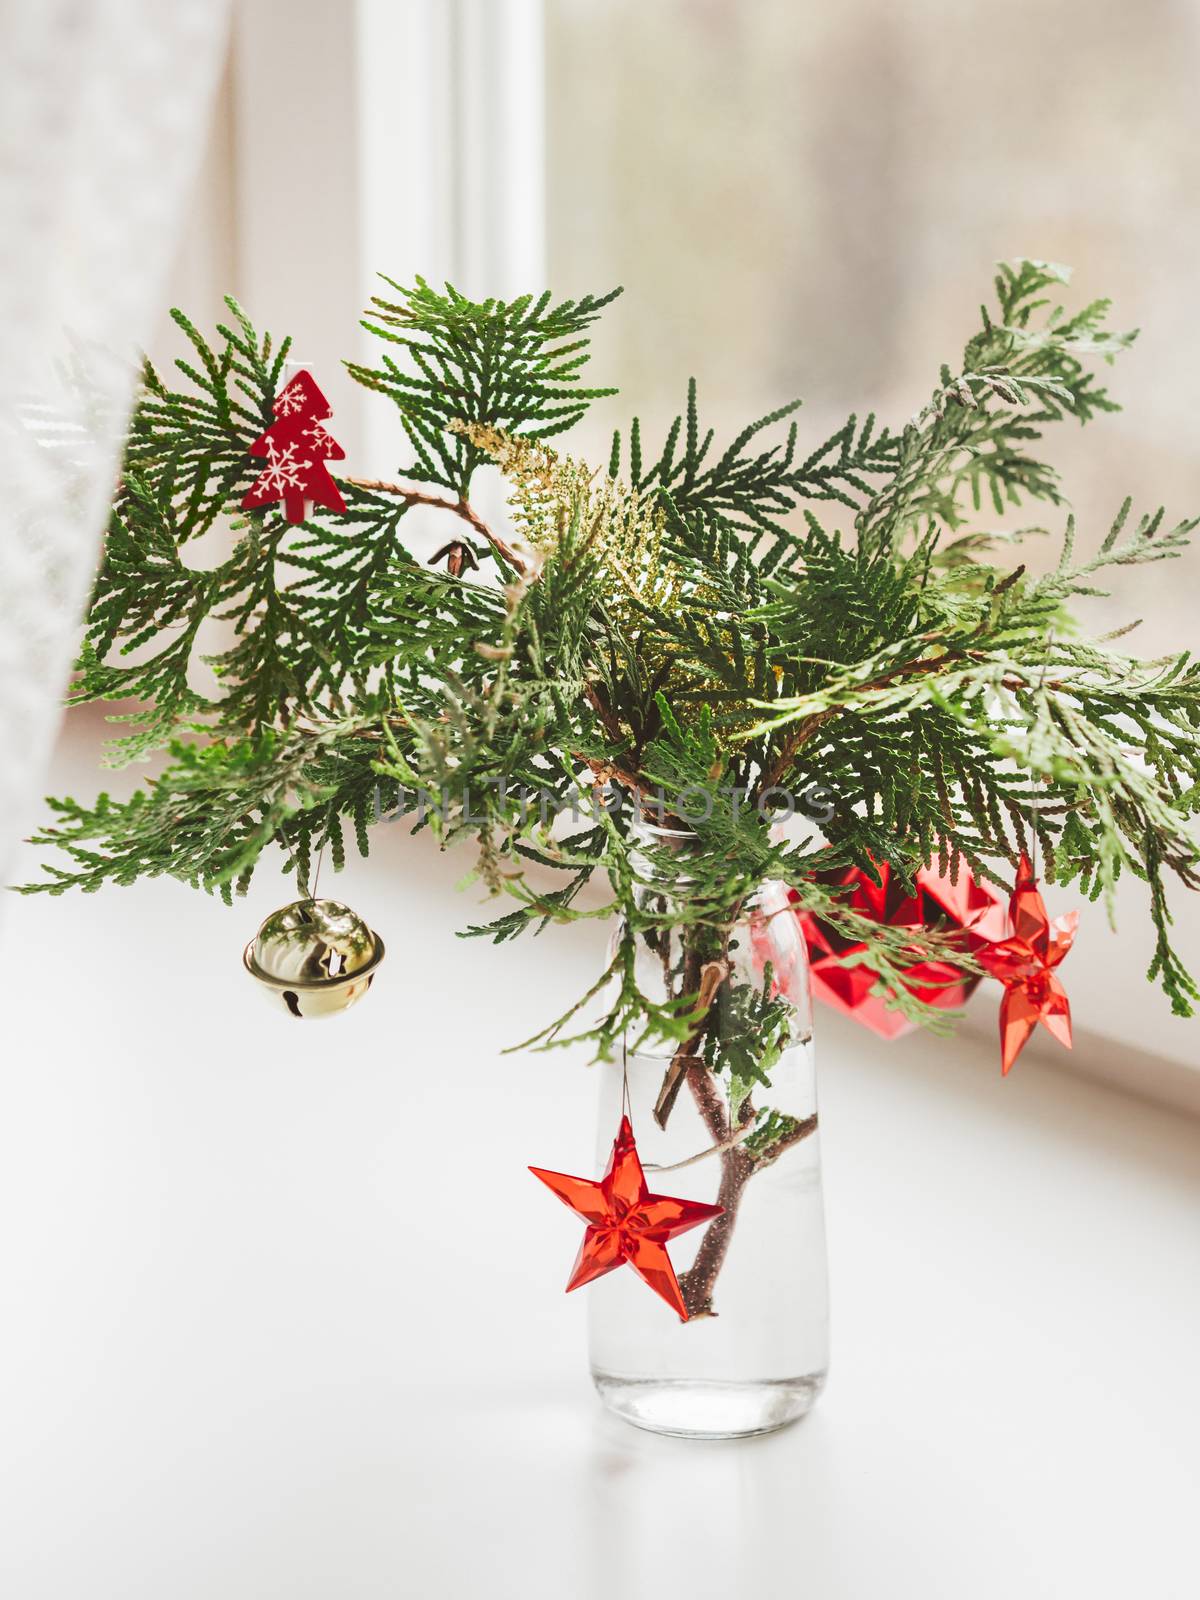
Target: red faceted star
(626, 1222)
(1024, 963)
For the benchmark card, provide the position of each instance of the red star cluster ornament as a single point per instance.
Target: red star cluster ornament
(965, 904)
(625, 1222)
(1024, 961)
(297, 445)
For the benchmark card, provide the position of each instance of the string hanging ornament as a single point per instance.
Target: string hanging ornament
(314, 958)
(626, 1224)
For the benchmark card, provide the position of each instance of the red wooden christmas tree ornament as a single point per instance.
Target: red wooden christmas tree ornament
(625, 1222)
(938, 903)
(1024, 961)
(297, 445)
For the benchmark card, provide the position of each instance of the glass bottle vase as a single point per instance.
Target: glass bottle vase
(753, 1352)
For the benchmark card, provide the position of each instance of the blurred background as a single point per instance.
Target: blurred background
(270, 1330)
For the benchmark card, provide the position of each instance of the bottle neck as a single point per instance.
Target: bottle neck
(660, 859)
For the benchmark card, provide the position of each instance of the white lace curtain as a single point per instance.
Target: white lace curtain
(104, 105)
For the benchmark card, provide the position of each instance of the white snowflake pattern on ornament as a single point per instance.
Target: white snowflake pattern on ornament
(283, 471)
(321, 441)
(289, 400)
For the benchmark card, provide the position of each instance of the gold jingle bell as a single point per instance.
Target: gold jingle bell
(314, 957)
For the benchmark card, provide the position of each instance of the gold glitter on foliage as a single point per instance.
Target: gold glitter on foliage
(557, 502)
(620, 530)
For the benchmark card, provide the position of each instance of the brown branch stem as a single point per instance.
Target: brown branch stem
(461, 508)
(738, 1166)
(603, 771)
(707, 979)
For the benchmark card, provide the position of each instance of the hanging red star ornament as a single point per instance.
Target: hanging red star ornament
(1024, 962)
(625, 1222)
(297, 446)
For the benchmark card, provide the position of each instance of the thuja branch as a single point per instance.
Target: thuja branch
(682, 622)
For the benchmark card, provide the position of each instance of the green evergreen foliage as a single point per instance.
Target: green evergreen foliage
(515, 366)
(770, 617)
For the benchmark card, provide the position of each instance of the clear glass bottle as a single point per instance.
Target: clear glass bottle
(754, 1351)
